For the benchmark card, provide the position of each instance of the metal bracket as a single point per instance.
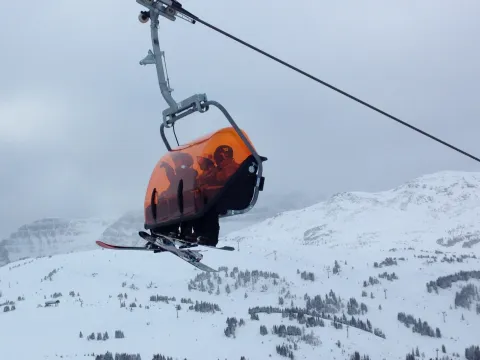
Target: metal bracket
(167, 9)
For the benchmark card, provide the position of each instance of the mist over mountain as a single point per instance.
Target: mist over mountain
(441, 207)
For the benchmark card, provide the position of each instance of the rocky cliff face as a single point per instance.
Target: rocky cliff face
(3, 256)
(124, 230)
(53, 236)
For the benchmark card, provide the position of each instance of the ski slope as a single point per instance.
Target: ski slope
(97, 277)
(282, 247)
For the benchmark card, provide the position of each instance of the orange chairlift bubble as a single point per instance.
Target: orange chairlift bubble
(195, 184)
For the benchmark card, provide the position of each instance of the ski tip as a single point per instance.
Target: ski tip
(103, 245)
(228, 248)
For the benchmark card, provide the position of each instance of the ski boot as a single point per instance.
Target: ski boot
(190, 238)
(203, 240)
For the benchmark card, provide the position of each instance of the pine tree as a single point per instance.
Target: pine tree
(355, 356)
(263, 330)
(336, 268)
(410, 357)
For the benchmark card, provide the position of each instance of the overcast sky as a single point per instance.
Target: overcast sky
(79, 116)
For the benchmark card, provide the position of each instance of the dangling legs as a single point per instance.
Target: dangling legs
(207, 228)
(186, 229)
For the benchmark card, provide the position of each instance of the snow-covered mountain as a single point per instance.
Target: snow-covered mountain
(381, 278)
(60, 236)
(52, 236)
(133, 297)
(440, 209)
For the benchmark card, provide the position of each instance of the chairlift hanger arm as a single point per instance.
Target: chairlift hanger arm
(169, 10)
(194, 19)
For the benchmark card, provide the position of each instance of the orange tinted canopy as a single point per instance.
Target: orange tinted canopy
(192, 178)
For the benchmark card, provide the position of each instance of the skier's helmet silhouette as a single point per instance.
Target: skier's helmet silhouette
(182, 160)
(221, 153)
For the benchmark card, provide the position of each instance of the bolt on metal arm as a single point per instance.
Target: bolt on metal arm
(176, 111)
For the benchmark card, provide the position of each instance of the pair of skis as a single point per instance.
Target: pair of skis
(162, 243)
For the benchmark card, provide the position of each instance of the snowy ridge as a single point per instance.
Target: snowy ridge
(439, 209)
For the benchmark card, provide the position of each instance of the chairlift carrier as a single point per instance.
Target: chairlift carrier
(220, 171)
